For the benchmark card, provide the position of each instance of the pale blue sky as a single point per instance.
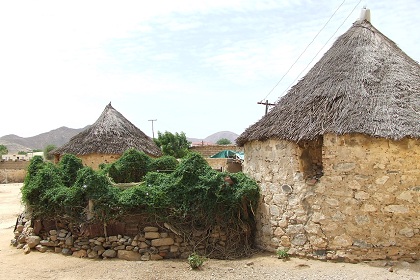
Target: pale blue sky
(195, 66)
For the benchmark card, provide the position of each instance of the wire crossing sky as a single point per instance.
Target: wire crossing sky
(195, 66)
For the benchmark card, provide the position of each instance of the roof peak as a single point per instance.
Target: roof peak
(365, 14)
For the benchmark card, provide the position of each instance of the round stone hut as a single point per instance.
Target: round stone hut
(338, 157)
(107, 139)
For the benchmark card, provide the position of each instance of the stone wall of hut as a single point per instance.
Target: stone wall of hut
(350, 197)
(94, 160)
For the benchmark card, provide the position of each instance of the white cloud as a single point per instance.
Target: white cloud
(174, 60)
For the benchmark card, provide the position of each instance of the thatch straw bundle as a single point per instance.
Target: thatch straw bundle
(112, 133)
(363, 84)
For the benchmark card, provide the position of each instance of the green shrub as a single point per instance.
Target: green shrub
(34, 190)
(142, 198)
(195, 260)
(69, 165)
(131, 167)
(164, 163)
(223, 141)
(36, 163)
(282, 254)
(194, 195)
(190, 168)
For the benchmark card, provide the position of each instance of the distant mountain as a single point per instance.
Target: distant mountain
(57, 137)
(62, 135)
(221, 134)
(14, 147)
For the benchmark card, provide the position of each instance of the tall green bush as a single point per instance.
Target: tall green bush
(36, 189)
(130, 167)
(36, 163)
(99, 189)
(164, 163)
(69, 166)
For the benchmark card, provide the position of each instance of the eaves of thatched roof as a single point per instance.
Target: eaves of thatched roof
(363, 84)
(112, 133)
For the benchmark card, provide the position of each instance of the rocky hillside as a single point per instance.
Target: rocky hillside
(221, 134)
(57, 137)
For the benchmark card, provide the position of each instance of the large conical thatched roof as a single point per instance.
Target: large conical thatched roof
(112, 133)
(363, 84)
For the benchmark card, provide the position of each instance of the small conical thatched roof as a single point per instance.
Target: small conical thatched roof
(363, 84)
(112, 133)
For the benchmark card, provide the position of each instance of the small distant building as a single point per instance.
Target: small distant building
(21, 157)
(201, 143)
(106, 140)
(338, 158)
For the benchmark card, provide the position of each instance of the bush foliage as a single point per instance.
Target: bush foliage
(193, 194)
(131, 167)
(175, 145)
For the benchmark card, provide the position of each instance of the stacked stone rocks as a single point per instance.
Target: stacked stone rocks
(151, 243)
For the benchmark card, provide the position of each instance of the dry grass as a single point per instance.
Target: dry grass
(112, 133)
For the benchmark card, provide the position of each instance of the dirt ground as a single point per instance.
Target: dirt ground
(14, 264)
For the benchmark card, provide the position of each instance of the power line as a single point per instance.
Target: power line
(303, 51)
(323, 46)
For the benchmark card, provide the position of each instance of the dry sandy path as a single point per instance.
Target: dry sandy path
(14, 264)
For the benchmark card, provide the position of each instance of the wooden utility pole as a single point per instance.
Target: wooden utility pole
(266, 105)
(153, 131)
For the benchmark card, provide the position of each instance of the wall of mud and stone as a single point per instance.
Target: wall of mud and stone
(209, 150)
(134, 237)
(94, 160)
(225, 164)
(13, 171)
(360, 201)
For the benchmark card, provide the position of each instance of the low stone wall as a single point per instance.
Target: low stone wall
(14, 165)
(155, 242)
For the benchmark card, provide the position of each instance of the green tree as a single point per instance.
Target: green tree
(3, 150)
(175, 145)
(22, 153)
(47, 151)
(223, 141)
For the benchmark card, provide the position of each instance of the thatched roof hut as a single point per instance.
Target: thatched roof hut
(363, 84)
(113, 134)
(337, 158)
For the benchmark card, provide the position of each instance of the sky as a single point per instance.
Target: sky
(196, 67)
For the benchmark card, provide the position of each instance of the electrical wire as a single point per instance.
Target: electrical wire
(322, 47)
(265, 98)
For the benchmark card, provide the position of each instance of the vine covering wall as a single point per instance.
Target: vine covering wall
(205, 209)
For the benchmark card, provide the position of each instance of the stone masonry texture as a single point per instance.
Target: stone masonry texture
(350, 197)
